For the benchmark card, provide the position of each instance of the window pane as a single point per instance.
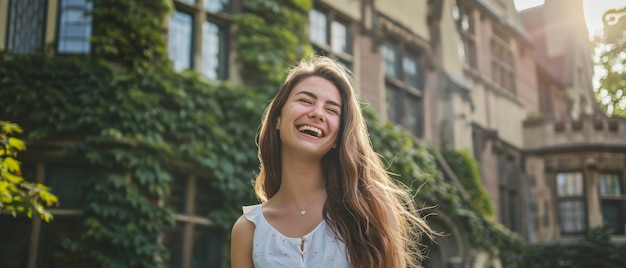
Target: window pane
(51, 253)
(572, 216)
(613, 215)
(173, 241)
(411, 74)
(74, 26)
(207, 247)
(216, 5)
(339, 41)
(569, 184)
(211, 47)
(207, 198)
(610, 185)
(67, 183)
(14, 234)
(390, 58)
(179, 42)
(318, 31)
(413, 119)
(391, 95)
(25, 31)
(178, 188)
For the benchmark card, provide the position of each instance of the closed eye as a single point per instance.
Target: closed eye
(305, 101)
(333, 111)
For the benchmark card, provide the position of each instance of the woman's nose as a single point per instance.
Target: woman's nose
(317, 113)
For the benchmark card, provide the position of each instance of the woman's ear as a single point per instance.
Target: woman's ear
(278, 124)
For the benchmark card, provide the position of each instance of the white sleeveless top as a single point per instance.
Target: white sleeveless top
(271, 249)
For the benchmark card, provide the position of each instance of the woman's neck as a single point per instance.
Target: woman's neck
(300, 178)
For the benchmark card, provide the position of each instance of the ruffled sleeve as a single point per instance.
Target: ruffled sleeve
(252, 213)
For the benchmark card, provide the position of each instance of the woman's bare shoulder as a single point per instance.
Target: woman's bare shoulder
(241, 243)
(243, 227)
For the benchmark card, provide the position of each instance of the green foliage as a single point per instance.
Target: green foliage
(270, 37)
(595, 249)
(466, 169)
(610, 59)
(130, 32)
(16, 194)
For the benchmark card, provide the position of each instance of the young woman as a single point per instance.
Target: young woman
(326, 199)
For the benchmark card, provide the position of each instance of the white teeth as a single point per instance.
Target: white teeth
(317, 131)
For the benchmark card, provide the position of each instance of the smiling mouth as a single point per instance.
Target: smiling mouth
(309, 130)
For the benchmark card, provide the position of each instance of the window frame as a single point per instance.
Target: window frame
(59, 25)
(509, 194)
(502, 61)
(200, 16)
(468, 36)
(404, 90)
(619, 199)
(189, 224)
(582, 198)
(8, 29)
(346, 58)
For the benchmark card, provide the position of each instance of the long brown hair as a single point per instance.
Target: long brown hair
(376, 218)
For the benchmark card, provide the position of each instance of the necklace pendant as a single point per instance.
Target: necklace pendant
(302, 212)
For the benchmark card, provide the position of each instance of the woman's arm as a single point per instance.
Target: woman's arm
(241, 244)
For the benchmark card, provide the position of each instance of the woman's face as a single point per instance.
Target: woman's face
(309, 121)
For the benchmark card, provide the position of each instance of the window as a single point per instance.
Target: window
(195, 241)
(74, 26)
(330, 36)
(16, 248)
(612, 200)
(26, 27)
(508, 192)
(571, 202)
(402, 88)
(502, 70)
(465, 24)
(180, 37)
(207, 22)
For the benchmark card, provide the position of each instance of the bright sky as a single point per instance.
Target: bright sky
(594, 9)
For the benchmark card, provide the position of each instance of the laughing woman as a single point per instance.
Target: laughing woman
(326, 199)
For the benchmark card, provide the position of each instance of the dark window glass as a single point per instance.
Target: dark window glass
(67, 183)
(173, 241)
(572, 216)
(26, 28)
(613, 215)
(207, 198)
(207, 247)
(414, 115)
(74, 26)
(52, 253)
(180, 40)
(178, 196)
(14, 238)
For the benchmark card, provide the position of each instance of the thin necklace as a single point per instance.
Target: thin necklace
(303, 211)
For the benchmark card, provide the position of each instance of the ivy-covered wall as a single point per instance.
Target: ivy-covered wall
(134, 118)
